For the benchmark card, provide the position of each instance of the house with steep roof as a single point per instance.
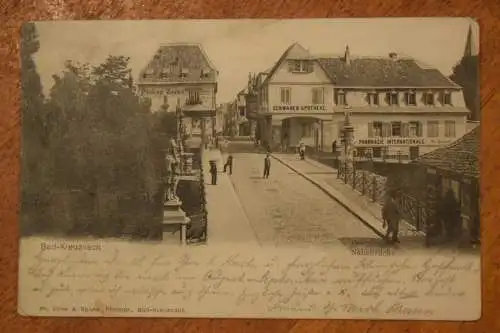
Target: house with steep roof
(397, 105)
(457, 167)
(295, 101)
(181, 75)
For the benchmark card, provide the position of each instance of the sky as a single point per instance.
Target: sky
(237, 47)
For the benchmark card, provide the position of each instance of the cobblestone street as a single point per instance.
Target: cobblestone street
(288, 209)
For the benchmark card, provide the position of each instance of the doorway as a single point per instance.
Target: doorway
(414, 152)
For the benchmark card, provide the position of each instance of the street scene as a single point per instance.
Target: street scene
(300, 144)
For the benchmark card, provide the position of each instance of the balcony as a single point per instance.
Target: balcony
(193, 101)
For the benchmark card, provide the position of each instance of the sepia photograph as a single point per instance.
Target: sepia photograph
(315, 168)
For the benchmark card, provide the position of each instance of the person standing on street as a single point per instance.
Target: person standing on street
(229, 164)
(391, 216)
(213, 172)
(334, 147)
(267, 166)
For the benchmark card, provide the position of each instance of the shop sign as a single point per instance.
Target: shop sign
(298, 108)
(400, 141)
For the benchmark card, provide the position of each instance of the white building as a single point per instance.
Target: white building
(397, 105)
(182, 74)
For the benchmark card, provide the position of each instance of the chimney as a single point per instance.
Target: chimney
(347, 55)
(393, 56)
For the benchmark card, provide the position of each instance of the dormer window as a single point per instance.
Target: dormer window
(148, 73)
(392, 97)
(299, 66)
(446, 98)
(184, 72)
(340, 98)
(429, 98)
(373, 98)
(411, 98)
(205, 72)
(165, 73)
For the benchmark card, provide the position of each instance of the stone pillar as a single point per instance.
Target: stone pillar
(174, 218)
(348, 151)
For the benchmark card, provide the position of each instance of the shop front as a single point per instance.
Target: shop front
(286, 132)
(397, 148)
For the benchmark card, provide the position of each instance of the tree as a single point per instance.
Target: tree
(466, 74)
(34, 169)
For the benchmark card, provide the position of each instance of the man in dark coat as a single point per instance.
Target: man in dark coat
(213, 172)
(334, 147)
(267, 166)
(391, 216)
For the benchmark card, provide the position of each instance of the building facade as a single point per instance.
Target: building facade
(397, 105)
(182, 74)
(295, 102)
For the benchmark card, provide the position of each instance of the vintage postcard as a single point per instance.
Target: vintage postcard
(251, 169)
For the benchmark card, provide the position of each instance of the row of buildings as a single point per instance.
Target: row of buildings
(396, 104)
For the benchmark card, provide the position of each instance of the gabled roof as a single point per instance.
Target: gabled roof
(383, 72)
(173, 59)
(460, 157)
(294, 52)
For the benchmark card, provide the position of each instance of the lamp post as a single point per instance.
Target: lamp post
(347, 153)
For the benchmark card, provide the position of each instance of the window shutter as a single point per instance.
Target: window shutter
(386, 130)
(370, 130)
(419, 129)
(405, 130)
(290, 65)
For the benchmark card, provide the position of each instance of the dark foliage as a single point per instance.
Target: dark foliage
(92, 152)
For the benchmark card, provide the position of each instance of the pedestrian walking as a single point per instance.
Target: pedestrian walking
(267, 166)
(229, 164)
(302, 150)
(213, 172)
(391, 216)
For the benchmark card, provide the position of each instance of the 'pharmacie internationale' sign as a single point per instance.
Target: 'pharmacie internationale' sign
(299, 108)
(401, 141)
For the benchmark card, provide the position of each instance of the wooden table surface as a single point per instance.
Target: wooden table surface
(14, 12)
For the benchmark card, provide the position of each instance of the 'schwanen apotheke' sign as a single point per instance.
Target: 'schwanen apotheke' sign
(299, 108)
(401, 141)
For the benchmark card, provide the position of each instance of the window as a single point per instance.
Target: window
(432, 129)
(375, 129)
(285, 96)
(165, 73)
(373, 98)
(411, 98)
(415, 129)
(184, 72)
(396, 128)
(392, 98)
(429, 98)
(318, 95)
(449, 128)
(446, 98)
(340, 98)
(193, 97)
(300, 66)
(205, 72)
